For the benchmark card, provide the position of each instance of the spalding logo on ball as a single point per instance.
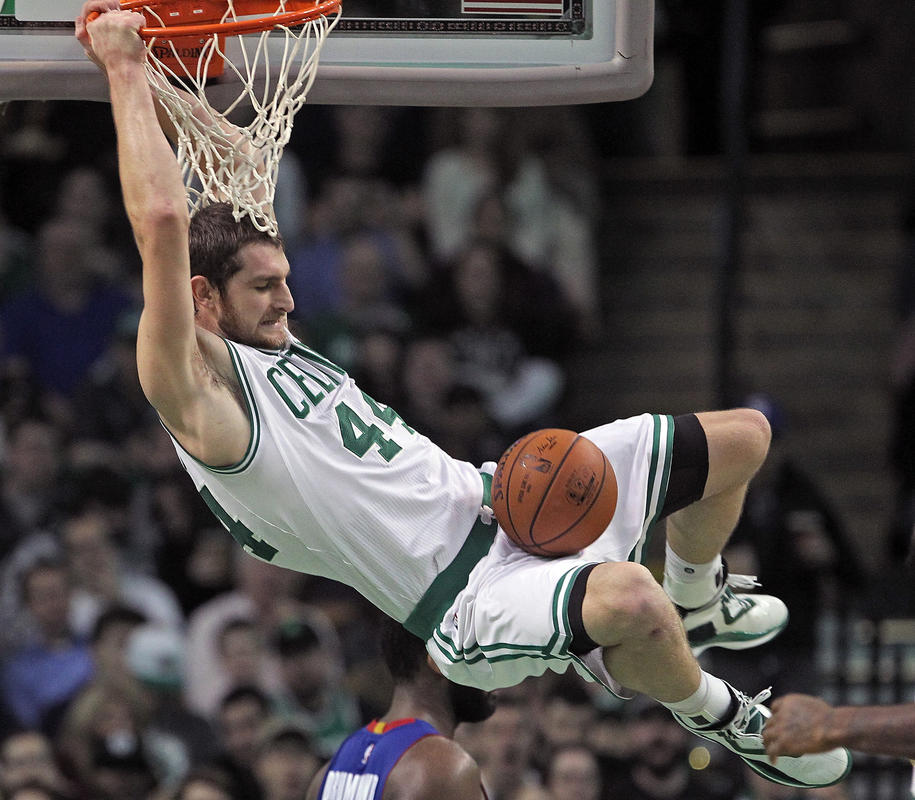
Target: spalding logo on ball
(553, 492)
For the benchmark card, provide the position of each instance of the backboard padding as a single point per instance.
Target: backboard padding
(594, 51)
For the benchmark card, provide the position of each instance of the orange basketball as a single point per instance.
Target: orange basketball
(553, 492)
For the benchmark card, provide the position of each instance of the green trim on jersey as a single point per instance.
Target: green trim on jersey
(253, 416)
(253, 421)
(438, 598)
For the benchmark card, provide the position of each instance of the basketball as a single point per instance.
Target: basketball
(553, 492)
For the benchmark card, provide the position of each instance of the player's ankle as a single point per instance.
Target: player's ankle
(691, 585)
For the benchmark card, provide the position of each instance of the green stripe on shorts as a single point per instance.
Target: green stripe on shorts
(658, 477)
(555, 649)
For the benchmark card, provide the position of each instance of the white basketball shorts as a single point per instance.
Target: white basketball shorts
(511, 621)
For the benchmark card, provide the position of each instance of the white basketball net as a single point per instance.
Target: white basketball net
(222, 161)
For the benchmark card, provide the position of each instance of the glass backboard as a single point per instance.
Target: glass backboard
(397, 52)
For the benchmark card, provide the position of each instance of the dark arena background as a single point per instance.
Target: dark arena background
(743, 233)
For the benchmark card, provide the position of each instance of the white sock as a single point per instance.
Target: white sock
(712, 702)
(690, 585)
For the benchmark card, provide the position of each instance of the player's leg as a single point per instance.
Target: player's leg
(736, 444)
(644, 646)
(715, 455)
(625, 612)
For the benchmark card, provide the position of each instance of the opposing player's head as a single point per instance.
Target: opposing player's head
(238, 276)
(407, 661)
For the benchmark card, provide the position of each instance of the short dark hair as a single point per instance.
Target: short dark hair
(115, 615)
(571, 690)
(404, 654)
(281, 732)
(214, 239)
(295, 637)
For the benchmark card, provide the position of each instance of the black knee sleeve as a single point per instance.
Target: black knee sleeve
(688, 465)
(581, 642)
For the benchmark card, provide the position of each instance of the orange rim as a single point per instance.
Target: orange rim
(253, 25)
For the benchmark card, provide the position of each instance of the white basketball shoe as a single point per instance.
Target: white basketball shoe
(733, 620)
(742, 734)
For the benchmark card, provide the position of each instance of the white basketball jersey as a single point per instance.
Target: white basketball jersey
(336, 484)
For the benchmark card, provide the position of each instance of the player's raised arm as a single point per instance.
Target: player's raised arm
(155, 201)
(230, 145)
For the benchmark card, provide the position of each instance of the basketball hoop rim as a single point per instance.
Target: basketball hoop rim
(236, 28)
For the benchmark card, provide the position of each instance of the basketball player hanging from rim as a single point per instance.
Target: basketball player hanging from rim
(309, 473)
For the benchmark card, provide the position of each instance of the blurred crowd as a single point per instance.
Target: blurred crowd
(448, 260)
(142, 654)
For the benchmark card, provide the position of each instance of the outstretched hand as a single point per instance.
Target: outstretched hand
(111, 35)
(799, 724)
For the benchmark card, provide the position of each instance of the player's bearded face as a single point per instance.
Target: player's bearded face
(469, 704)
(266, 331)
(256, 299)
